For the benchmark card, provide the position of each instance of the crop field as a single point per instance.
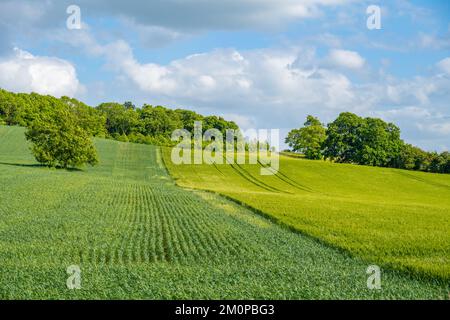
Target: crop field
(394, 218)
(136, 235)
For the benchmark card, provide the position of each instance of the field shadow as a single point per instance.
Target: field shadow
(431, 183)
(37, 165)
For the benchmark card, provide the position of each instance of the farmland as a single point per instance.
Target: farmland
(396, 218)
(136, 235)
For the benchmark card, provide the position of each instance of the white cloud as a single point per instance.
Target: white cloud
(442, 128)
(240, 79)
(243, 122)
(444, 65)
(276, 88)
(434, 41)
(175, 15)
(415, 12)
(346, 59)
(200, 14)
(410, 112)
(24, 72)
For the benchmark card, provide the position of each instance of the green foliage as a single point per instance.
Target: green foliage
(159, 121)
(58, 140)
(439, 162)
(129, 105)
(344, 138)
(154, 125)
(119, 119)
(136, 235)
(188, 118)
(21, 109)
(156, 140)
(124, 122)
(364, 141)
(445, 168)
(90, 119)
(218, 123)
(309, 139)
(380, 143)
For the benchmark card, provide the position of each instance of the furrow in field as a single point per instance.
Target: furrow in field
(244, 174)
(134, 248)
(171, 249)
(176, 226)
(429, 182)
(280, 175)
(146, 226)
(217, 168)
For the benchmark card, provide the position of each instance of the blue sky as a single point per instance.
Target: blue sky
(264, 64)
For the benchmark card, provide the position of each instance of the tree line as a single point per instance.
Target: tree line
(364, 141)
(123, 122)
(61, 128)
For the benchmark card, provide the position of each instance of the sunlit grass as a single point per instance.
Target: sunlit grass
(399, 219)
(136, 235)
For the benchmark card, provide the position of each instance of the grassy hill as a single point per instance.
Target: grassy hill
(135, 234)
(396, 218)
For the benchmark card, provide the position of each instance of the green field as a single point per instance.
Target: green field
(396, 218)
(135, 234)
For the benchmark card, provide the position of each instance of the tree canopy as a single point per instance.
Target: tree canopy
(123, 122)
(348, 139)
(44, 116)
(368, 141)
(365, 141)
(59, 140)
(309, 139)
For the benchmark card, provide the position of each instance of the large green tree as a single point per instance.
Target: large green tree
(308, 139)
(58, 140)
(343, 140)
(367, 141)
(380, 143)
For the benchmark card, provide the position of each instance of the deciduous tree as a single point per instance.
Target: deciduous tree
(59, 141)
(308, 139)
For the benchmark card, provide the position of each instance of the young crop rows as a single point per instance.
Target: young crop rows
(134, 234)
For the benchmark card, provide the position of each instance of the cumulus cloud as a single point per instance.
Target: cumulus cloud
(242, 79)
(259, 87)
(277, 88)
(24, 72)
(345, 59)
(274, 87)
